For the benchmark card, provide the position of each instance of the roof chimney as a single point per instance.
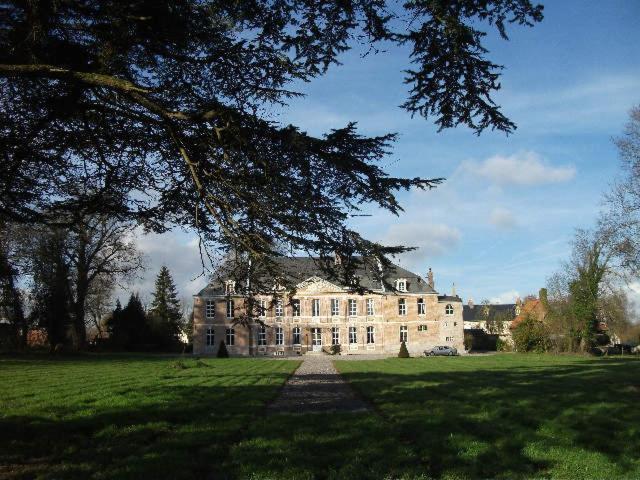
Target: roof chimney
(470, 303)
(453, 290)
(430, 278)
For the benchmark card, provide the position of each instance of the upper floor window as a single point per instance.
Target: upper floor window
(231, 336)
(402, 307)
(422, 328)
(210, 309)
(403, 333)
(315, 307)
(230, 287)
(211, 339)
(262, 307)
(230, 309)
(370, 307)
(421, 306)
(335, 336)
(401, 285)
(296, 335)
(335, 307)
(353, 307)
(448, 310)
(353, 335)
(295, 305)
(279, 308)
(262, 336)
(371, 335)
(279, 336)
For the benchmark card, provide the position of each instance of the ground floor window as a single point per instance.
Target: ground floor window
(353, 335)
(371, 335)
(262, 336)
(231, 336)
(422, 328)
(403, 333)
(279, 336)
(296, 335)
(335, 336)
(211, 340)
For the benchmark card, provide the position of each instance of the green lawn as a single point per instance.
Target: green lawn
(503, 416)
(128, 417)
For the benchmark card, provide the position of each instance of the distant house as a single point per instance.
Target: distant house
(489, 319)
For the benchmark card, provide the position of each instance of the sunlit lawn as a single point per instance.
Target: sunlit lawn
(503, 416)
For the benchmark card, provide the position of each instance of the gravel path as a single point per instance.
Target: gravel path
(316, 386)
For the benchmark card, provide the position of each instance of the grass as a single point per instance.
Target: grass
(128, 417)
(503, 416)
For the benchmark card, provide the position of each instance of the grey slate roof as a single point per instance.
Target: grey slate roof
(299, 269)
(474, 314)
(449, 298)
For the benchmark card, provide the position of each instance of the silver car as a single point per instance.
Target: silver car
(441, 350)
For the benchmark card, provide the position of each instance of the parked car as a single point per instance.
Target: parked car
(441, 350)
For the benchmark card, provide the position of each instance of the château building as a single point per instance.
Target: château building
(322, 313)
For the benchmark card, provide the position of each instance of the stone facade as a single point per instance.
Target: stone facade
(329, 314)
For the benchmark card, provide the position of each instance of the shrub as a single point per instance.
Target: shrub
(179, 365)
(503, 346)
(335, 349)
(531, 336)
(403, 353)
(222, 351)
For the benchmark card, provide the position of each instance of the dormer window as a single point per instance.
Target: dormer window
(230, 287)
(401, 285)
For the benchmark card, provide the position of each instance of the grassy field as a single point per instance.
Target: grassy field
(128, 417)
(503, 416)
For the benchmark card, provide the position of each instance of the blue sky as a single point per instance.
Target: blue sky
(503, 220)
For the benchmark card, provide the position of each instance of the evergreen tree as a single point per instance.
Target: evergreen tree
(403, 353)
(165, 315)
(222, 350)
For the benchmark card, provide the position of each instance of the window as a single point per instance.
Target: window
(279, 336)
(422, 328)
(231, 336)
(279, 308)
(448, 309)
(295, 304)
(230, 287)
(449, 339)
(353, 307)
(370, 310)
(230, 309)
(296, 335)
(262, 336)
(371, 335)
(403, 333)
(210, 309)
(315, 307)
(455, 324)
(402, 307)
(335, 336)
(421, 309)
(335, 307)
(401, 285)
(211, 339)
(353, 336)
(262, 307)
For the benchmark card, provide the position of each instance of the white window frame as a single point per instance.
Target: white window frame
(230, 335)
(210, 309)
(315, 307)
(422, 308)
(401, 285)
(295, 305)
(279, 308)
(448, 310)
(353, 307)
(230, 308)
(404, 333)
(230, 287)
(371, 310)
(371, 335)
(262, 336)
(402, 307)
(335, 335)
(335, 307)
(422, 328)
(279, 336)
(353, 335)
(211, 337)
(295, 332)
(262, 308)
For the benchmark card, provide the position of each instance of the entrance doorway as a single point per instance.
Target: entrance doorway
(316, 339)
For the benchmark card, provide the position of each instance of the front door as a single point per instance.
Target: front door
(316, 339)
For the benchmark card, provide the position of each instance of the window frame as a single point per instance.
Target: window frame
(296, 332)
(401, 285)
(371, 335)
(448, 310)
(352, 302)
(404, 333)
(335, 307)
(231, 308)
(353, 335)
(210, 337)
(279, 308)
(230, 336)
(422, 308)
(279, 336)
(210, 309)
(315, 307)
(262, 336)
(371, 310)
(262, 308)
(402, 307)
(295, 306)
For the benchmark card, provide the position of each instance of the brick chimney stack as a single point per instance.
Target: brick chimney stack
(470, 303)
(430, 278)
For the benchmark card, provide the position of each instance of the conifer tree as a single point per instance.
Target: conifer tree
(165, 313)
(403, 353)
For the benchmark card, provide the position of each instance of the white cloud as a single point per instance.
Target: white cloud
(523, 168)
(506, 297)
(502, 218)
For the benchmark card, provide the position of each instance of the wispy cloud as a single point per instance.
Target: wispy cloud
(502, 218)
